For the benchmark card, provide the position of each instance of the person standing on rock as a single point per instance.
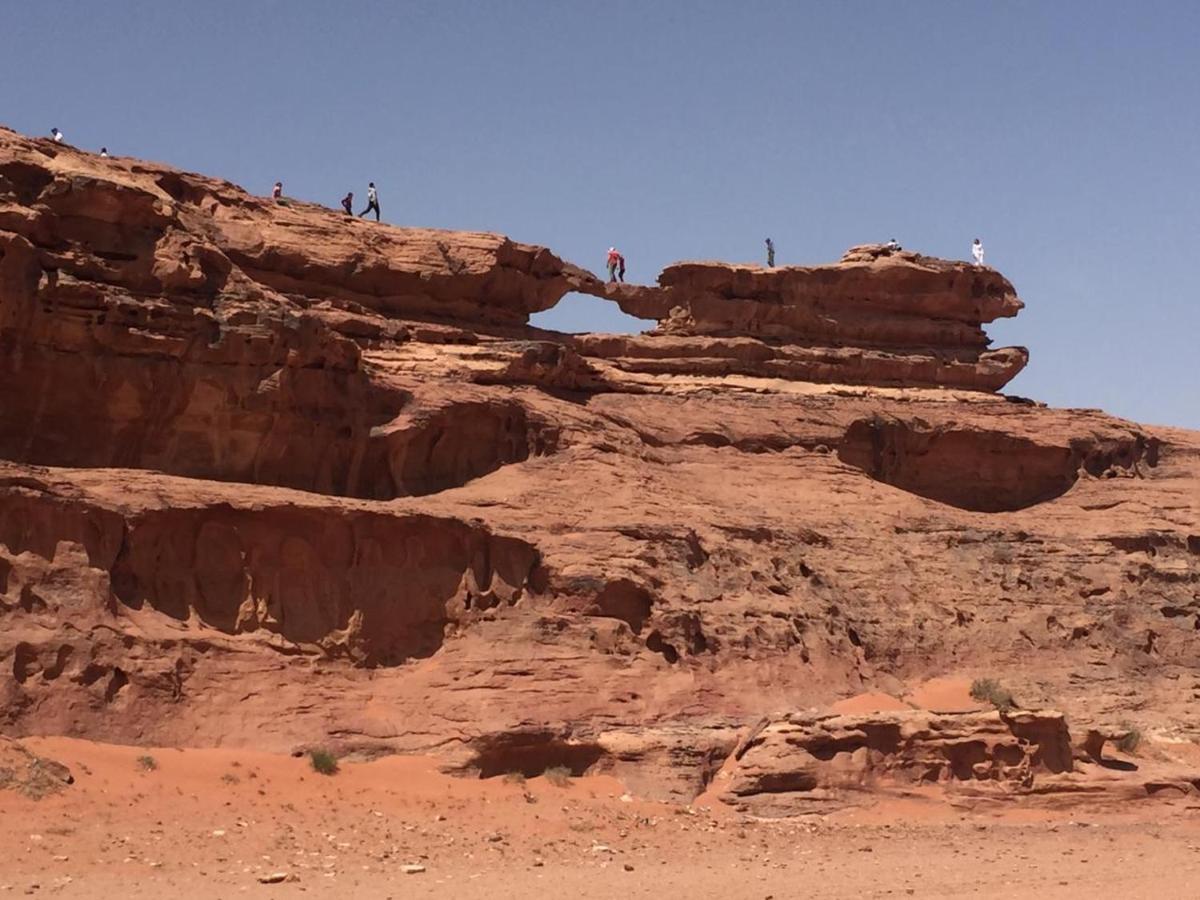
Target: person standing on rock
(614, 260)
(348, 203)
(372, 201)
(621, 268)
(977, 251)
(56, 135)
(277, 191)
(770, 254)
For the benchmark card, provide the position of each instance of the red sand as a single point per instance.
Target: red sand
(211, 823)
(945, 694)
(871, 701)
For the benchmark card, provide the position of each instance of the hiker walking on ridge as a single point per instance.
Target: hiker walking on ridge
(348, 203)
(56, 135)
(770, 254)
(372, 201)
(277, 191)
(614, 260)
(977, 252)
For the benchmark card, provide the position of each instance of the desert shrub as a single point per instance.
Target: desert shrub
(147, 763)
(559, 776)
(323, 761)
(514, 778)
(989, 690)
(1131, 740)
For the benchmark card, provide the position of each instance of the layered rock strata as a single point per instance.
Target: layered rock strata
(876, 317)
(275, 477)
(815, 762)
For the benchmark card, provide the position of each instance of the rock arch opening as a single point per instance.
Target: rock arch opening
(578, 313)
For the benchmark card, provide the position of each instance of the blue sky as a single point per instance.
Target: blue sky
(1064, 134)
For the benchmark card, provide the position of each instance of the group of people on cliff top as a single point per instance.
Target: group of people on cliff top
(277, 192)
(347, 201)
(57, 137)
(616, 262)
(891, 246)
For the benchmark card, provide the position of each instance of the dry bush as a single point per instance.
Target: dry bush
(323, 761)
(989, 690)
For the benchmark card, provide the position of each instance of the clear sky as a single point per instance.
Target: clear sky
(1064, 134)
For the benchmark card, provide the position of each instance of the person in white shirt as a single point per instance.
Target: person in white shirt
(372, 201)
(977, 251)
(104, 153)
(893, 245)
(57, 135)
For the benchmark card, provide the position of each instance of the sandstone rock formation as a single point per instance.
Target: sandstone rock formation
(270, 476)
(814, 759)
(876, 317)
(816, 762)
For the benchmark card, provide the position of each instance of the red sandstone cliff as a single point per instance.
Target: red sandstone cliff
(272, 476)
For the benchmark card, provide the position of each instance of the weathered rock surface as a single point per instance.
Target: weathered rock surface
(809, 762)
(273, 477)
(874, 318)
(818, 762)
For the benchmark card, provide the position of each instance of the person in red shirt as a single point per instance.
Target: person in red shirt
(614, 260)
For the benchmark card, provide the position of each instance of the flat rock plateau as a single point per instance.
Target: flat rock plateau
(274, 480)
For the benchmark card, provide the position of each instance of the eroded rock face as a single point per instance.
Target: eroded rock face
(273, 478)
(808, 762)
(874, 318)
(375, 589)
(818, 761)
(986, 471)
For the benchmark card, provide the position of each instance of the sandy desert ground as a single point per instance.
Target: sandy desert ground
(216, 823)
